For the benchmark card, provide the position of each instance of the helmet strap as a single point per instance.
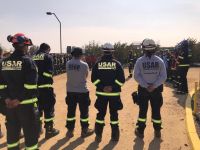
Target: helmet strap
(107, 53)
(149, 53)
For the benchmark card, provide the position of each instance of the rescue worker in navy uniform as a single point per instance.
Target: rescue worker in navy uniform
(77, 93)
(150, 73)
(108, 77)
(183, 67)
(46, 98)
(18, 81)
(2, 103)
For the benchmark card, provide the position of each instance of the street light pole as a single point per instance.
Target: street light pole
(50, 13)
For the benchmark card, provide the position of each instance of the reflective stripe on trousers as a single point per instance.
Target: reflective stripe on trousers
(29, 101)
(84, 120)
(34, 147)
(114, 122)
(142, 119)
(156, 121)
(71, 119)
(16, 144)
(100, 121)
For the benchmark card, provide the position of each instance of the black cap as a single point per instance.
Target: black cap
(77, 51)
(44, 46)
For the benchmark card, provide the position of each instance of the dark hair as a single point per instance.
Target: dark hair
(44, 46)
(77, 52)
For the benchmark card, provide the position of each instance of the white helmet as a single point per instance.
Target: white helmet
(107, 47)
(148, 44)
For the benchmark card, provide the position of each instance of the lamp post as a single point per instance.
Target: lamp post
(50, 13)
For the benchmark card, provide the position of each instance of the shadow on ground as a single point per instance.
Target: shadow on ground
(74, 144)
(60, 143)
(139, 144)
(155, 144)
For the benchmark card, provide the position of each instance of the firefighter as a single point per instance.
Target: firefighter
(108, 77)
(46, 98)
(18, 82)
(150, 73)
(2, 104)
(183, 67)
(77, 93)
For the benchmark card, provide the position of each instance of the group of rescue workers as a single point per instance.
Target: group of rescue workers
(26, 91)
(177, 64)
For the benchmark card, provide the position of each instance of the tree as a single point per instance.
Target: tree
(196, 52)
(92, 48)
(195, 49)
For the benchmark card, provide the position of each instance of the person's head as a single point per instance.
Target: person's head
(77, 52)
(149, 47)
(44, 47)
(107, 49)
(20, 42)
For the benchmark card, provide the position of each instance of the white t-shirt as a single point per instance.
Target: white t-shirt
(77, 72)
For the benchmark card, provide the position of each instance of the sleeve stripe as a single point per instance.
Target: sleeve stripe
(47, 74)
(30, 86)
(119, 83)
(96, 82)
(180, 57)
(3, 86)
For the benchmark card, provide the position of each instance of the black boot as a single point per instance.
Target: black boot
(98, 138)
(139, 133)
(70, 133)
(157, 133)
(98, 132)
(86, 132)
(115, 133)
(50, 131)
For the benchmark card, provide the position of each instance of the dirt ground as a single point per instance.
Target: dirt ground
(174, 134)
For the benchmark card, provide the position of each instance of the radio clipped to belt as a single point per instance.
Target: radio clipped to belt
(135, 97)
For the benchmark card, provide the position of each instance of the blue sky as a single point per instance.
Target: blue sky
(166, 21)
